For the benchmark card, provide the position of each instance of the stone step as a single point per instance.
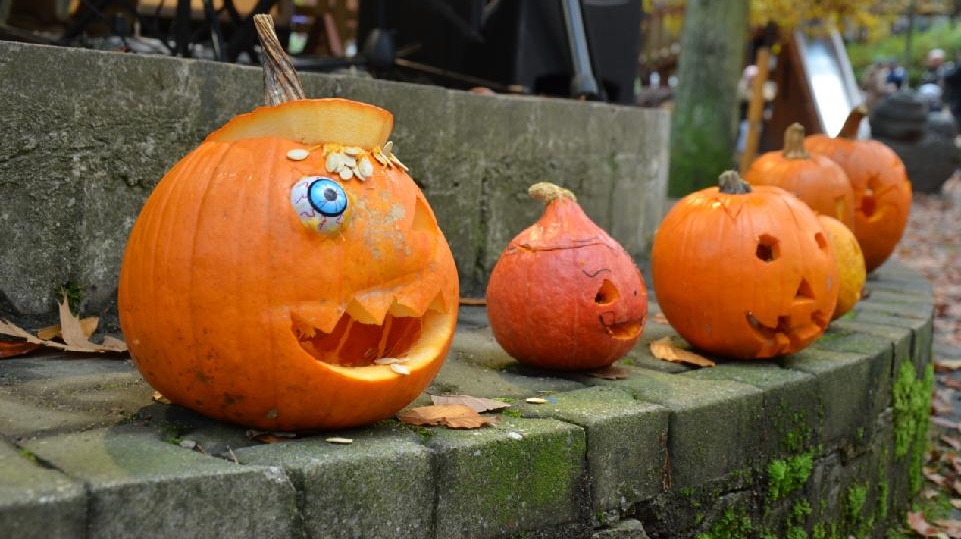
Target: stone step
(824, 439)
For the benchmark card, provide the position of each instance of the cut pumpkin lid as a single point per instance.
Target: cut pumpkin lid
(311, 122)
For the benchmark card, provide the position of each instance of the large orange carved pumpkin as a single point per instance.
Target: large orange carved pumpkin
(818, 181)
(744, 272)
(882, 191)
(288, 273)
(564, 294)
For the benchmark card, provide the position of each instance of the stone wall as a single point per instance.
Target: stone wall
(87, 134)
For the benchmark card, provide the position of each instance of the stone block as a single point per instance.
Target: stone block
(522, 475)
(55, 392)
(626, 442)
(851, 390)
(36, 502)
(789, 399)
(713, 424)
(137, 481)
(379, 486)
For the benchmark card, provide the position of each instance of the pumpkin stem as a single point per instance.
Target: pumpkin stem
(281, 83)
(851, 124)
(794, 142)
(548, 192)
(730, 183)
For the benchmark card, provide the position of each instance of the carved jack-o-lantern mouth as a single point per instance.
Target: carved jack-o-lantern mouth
(358, 340)
(607, 295)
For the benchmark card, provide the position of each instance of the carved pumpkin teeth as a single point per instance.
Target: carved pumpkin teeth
(372, 328)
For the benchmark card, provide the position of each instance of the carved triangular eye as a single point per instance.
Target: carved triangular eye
(606, 294)
(804, 291)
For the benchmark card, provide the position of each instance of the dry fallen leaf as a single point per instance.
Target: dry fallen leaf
(665, 350)
(920, 526)
(88, 325)
(950, 527)
(947, 366)
(16, 348)
(660, 319)
(158, 397)
(478, 404)
(956, 503)
(74, 332)
(611, 373)
(454, 416)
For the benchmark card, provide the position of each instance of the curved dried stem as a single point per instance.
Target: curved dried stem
(794, 142)
(851, 124)
(730, 183)
(281, 83)
(548, 192)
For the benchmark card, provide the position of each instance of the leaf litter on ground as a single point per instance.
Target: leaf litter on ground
(452, 416)
(664, 349)
(74, 334)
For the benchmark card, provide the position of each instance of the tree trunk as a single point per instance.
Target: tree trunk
(704, 120)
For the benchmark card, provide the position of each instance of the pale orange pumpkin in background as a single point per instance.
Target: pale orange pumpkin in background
(817, 180)
(882, 190)
(288, 274)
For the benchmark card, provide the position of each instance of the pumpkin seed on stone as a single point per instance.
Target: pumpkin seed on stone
(535, 400)
(338, 440)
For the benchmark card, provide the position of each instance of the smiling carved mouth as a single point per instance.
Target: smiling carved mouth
(363, 336)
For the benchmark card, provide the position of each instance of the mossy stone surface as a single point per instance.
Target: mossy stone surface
(626, 442)
(136, 481)
(37, 502)
(522, 475)
(381, 485)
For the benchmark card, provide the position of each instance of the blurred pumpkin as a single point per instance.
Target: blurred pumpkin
(288, 274)
(850, 261)
(744, 272)
(815, 179)
(564, 294)
(882, 191)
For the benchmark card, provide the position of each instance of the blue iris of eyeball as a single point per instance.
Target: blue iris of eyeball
(321, 203)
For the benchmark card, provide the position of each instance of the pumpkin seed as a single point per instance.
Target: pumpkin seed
(364, 168)
(387, 360)
(338, 440)
(535, 400)
(297, 154)
(399, 369)
(353, 150)
(346, 173)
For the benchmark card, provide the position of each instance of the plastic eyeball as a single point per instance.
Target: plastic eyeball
(321, 204)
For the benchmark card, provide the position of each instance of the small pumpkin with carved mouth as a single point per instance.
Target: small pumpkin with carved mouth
(288, 274)
(565, 295)
(744, 271)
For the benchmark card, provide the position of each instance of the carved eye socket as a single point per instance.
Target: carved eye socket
(321, 204)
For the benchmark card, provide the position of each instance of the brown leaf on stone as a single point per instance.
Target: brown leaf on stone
(16, 348)
(158, 397)
(454, 416)
(947, 365)
(665, 350)
(659, 318)
(88, 325)
(950, 527)
(952, 441)
(610, 373)
(74, 332)
(933, 476)
(478, 404)
(946, 423)
(956, 503)
(921, 526)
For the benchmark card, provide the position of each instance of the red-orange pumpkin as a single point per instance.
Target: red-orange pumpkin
(815, 179)
(744, 272)
(564, 294)
(882, 191)
(288, 274)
